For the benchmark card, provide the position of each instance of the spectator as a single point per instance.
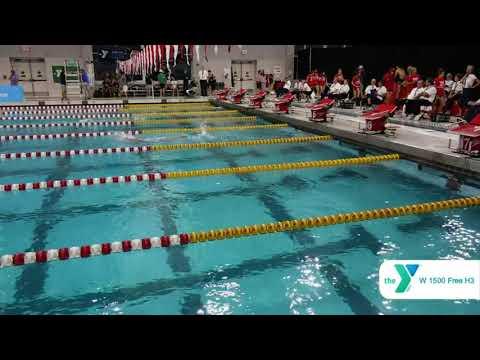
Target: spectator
(439, 83)
(389, 82)
(469, 82)
(340, 89)
(13, 78)
(316, 82)
(259, 80)
(448, 84)
(454, 94)
(298, 89)
(84, 82)
(307, 91)
(122, 84)
(337, 75)
(63, 84)
(190, 90)
(381, 92)
(400, 89)
(371, 93)
(322, 81)
(162, 80)
(285, 89)
(212, 82)
(203, 76)
(411, 79)
(422, 95)
(357, 88)
(173, 85)
(311, 81)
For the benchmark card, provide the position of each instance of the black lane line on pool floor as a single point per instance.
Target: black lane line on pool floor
(31, 281)
(176, 258)
(349, 292)
(359, 239)
(291, 182)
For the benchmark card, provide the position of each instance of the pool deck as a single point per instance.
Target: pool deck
(422, 145)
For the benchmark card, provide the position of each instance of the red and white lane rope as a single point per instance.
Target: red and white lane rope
(57, 117)
(68, 124)
(69, 111)
(62, 107)
(82, 182)
(66, 153)
(86, 251)
(4, 138)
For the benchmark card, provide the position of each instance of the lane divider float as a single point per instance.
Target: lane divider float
(69, 124)
(4, 138)
(195, 173)
(135, 149)
(65, 135)
(126, 246)
(217, 128)
(58, 117)
(179, 121)
(190, 113)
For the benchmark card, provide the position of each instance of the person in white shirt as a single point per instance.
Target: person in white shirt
(469, 82)
(381, 92)
(307, 91)
(339, 90)
(416, 99)
(371, 92)
(455, 93)
(448, 83)
(203, 77)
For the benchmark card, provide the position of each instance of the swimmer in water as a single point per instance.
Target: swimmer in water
(453, 183)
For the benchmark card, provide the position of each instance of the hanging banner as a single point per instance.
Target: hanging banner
(175, 53)
(197, 51)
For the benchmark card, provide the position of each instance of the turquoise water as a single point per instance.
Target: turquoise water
(331, 270)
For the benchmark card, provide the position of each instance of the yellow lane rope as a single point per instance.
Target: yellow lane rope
(318, 221)
(190, 113)
(159, 107)
(178, 121)
(183, 239)
(217, 128)
(220, 144)
(281, 166)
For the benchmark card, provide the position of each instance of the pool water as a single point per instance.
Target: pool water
(329, 270)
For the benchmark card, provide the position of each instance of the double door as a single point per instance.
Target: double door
(32, 76)
(243, 74)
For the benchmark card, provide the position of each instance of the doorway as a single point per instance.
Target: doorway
(32, 75)
(243, 74)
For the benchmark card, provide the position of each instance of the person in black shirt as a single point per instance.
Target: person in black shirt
(63, 84)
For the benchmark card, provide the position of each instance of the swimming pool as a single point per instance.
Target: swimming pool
(329, 270)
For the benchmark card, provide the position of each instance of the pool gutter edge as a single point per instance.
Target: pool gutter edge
(462, 166)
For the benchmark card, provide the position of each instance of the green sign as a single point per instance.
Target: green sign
(56, 71)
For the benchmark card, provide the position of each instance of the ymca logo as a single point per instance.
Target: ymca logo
(406, 273)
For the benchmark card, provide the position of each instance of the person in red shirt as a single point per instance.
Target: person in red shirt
(411, 79)
(310, 80)
(356, 88)
(322, 82)
(439, 83)
(389, 83)
(316, 83)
